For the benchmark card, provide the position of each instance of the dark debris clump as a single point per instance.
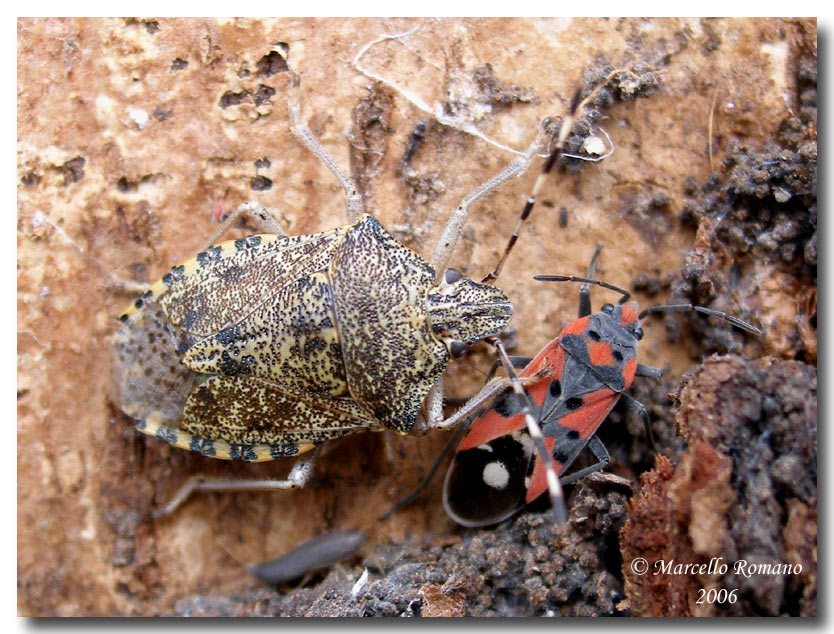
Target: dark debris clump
(758, 212)
(604, 86)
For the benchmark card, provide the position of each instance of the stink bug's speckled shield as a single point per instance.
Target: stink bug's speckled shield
(263, 347)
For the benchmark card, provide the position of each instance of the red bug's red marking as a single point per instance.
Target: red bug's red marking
(595, 407)
(600, 353)
(629, 371)
(552, 358)
(538, 481)
(577, 327)
(629, 313)
(491, 426)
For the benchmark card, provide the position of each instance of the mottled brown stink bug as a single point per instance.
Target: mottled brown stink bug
(266, 346)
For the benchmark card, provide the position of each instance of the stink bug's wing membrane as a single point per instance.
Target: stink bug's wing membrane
(245, 410)
(147, 370)
(222, 285)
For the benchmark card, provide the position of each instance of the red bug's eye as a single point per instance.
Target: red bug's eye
(607, 308)
(638, 333)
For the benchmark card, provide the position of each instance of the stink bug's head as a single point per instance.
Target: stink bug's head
(466, 311)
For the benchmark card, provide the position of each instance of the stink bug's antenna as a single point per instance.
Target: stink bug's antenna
(558, 148)
(554, 487)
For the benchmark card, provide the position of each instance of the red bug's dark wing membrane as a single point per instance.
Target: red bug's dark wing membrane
(486, 484)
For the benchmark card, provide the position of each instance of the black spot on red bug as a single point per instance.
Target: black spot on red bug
(618, 356)
(573, 434)
(573, 403)
(555, 389)
(560, 455)
(506, 405)
(593, 334)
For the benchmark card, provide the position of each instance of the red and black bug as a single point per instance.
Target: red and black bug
(571, 385)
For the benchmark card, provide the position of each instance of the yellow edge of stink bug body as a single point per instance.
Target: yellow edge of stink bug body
(223, 450)
(185, 270)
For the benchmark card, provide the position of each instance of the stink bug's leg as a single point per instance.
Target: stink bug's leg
(519, 363)
(641, 409)
(735, 321)
(572, 278)
(408, 499)
(353, 199)
(487, 393)
(446, 244)
(299, 475)
(434, 404)
(601, 454)
(262, 218)
(557, 498)
(585, 289)
(564, 132)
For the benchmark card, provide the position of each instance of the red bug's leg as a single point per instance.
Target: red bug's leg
(601, 454)
(641, 409)
(516, 362)
(450, 444)
(649, 371)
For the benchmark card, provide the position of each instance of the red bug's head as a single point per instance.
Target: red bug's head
(628, 317)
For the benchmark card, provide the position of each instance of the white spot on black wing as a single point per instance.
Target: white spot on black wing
(495, 475)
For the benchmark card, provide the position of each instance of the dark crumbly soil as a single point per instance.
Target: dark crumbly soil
(524, 567)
